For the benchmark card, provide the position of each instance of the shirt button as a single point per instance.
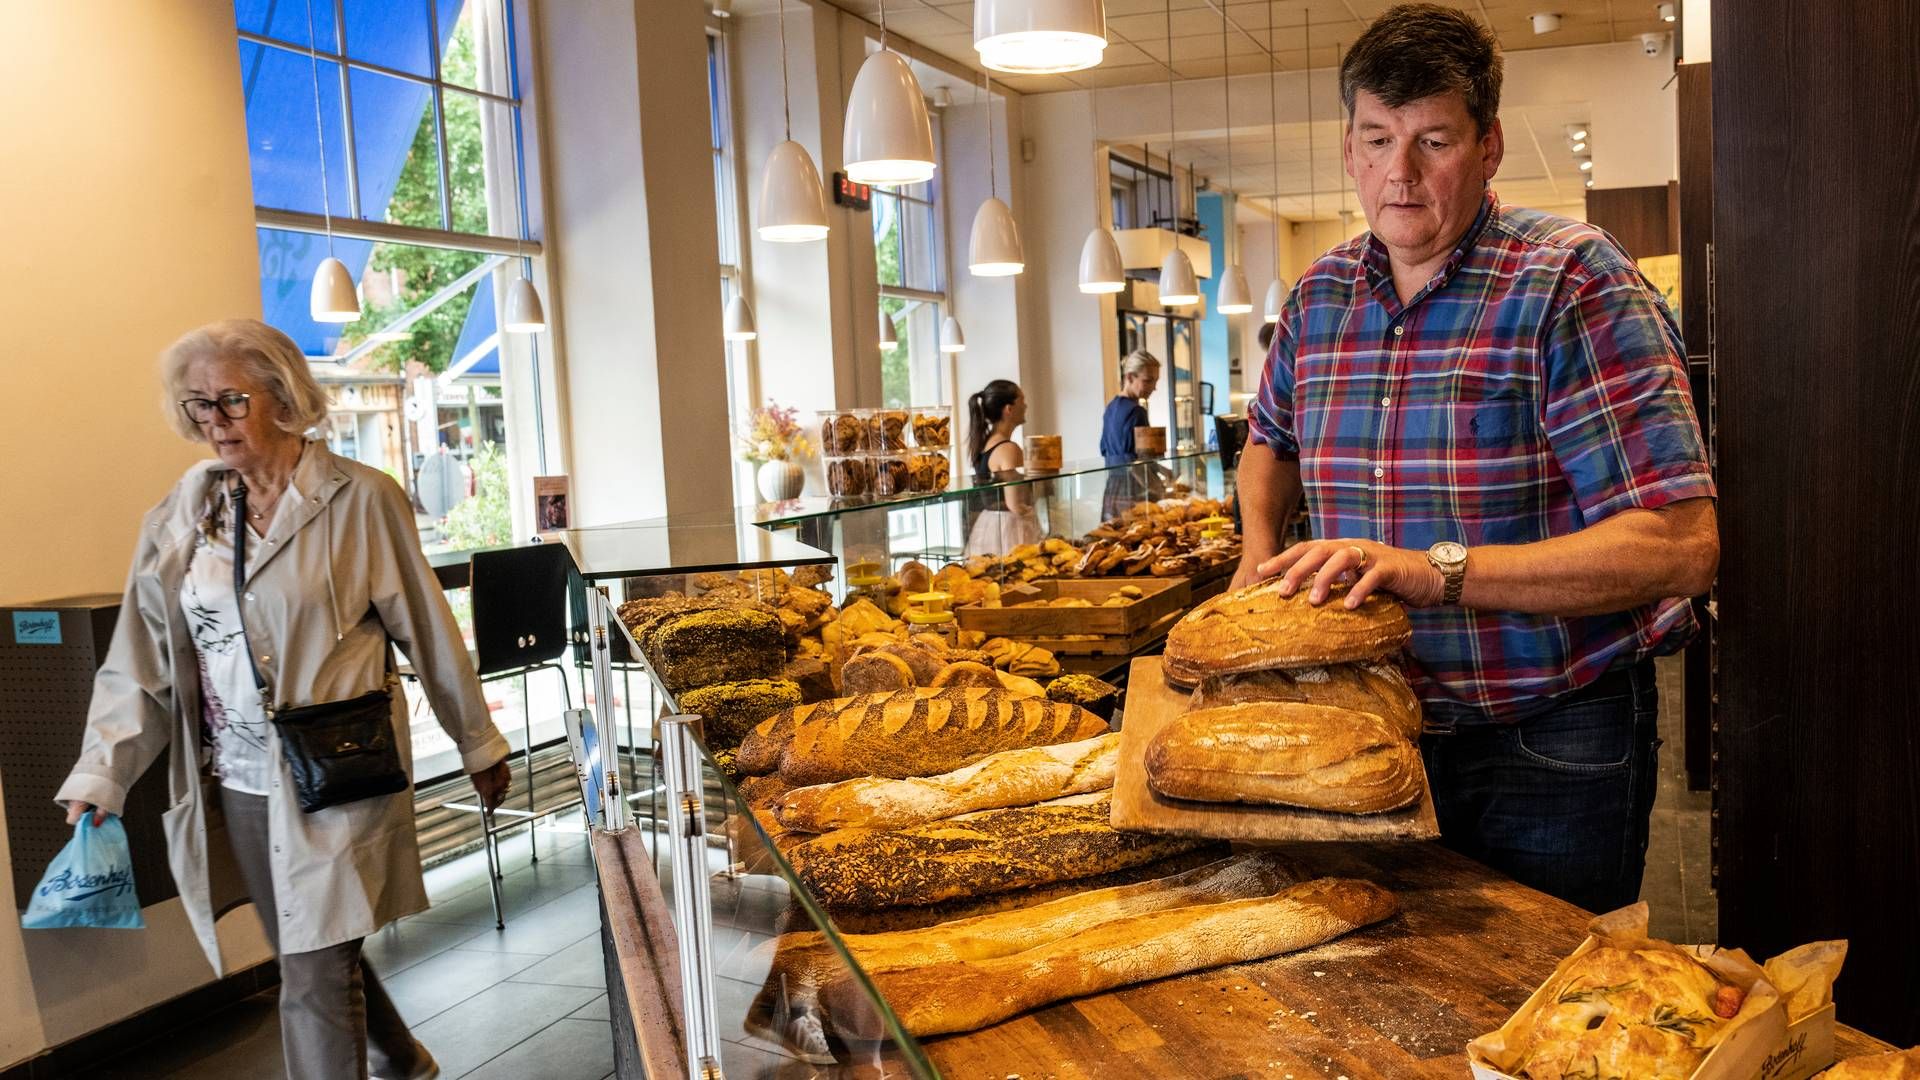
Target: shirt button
(1379, 472)
(1399, 330)
(1384, 402)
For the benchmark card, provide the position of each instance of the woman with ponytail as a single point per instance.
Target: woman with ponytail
(1006, 517)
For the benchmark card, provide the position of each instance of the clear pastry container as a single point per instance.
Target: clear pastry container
(843, 432)
(929, 471)
(849, 475)
(932, 427)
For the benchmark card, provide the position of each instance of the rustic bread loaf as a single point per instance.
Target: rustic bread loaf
(875, 673)
(1371, 686)
(966, 673)
(729, 710)
(805, 958)
(1009, 778)
(704, 647)
(991, 851)
(1255, 628)
(1893, 1065)
(1288, 754)
(918, 732)
(965, 995)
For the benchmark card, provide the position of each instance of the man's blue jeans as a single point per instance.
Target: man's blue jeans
(1560, 800)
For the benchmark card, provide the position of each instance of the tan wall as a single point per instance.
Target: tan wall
(128, 213)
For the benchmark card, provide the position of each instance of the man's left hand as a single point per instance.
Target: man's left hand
(1370, 566)
(491, 784)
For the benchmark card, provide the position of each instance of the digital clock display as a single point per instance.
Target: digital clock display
(852, 193)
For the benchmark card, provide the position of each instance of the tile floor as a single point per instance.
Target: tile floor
(527, 1001)
(530, 1001)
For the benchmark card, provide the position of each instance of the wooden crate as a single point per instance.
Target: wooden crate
(1108, 645)
(1163, 596)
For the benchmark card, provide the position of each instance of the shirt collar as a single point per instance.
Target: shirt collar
(1379, 269)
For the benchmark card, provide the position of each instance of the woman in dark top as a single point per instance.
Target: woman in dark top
(1006, 518)
(1139, 374)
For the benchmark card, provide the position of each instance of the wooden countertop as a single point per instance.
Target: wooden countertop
(1400, 999)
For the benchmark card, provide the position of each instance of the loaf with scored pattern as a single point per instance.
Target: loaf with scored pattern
(1255, 628)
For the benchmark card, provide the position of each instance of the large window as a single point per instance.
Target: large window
(425, 191)
(742, 383)
(910, 256)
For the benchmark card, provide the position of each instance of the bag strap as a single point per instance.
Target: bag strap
(240, 588)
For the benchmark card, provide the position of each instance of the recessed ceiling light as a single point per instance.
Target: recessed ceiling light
(1666, 12)
(1586, 164)
(1579, 146)
(1576, 132)
(1545, 23)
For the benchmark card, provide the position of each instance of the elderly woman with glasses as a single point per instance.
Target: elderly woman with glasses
(332, 577)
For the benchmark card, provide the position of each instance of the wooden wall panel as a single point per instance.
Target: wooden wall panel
(1693, 220)
(1636, 216)
(1816, 113)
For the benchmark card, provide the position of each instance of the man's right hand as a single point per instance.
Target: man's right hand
(75, 809)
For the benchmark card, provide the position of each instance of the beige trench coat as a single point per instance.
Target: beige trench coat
(336, 575)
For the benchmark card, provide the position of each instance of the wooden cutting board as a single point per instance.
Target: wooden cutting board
(1152, 705)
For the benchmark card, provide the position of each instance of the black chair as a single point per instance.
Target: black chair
(520, 607)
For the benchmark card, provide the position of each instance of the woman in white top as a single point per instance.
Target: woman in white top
(334, 578)
(1004, 519)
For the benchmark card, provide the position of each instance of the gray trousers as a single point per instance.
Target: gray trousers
(335, 1018)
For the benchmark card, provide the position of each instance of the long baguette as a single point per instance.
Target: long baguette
(910, 732)
(992, 851)
(966, 995)
(804, 958)
(1009, 778)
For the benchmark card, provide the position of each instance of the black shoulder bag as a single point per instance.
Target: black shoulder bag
(338, 751)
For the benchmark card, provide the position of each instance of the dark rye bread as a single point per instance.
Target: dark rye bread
(979, 854)
(701, 648)
(919, 731)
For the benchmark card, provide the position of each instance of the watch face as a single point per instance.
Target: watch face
(1449, 552)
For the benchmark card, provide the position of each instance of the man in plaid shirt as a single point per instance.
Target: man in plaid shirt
(1486, 409)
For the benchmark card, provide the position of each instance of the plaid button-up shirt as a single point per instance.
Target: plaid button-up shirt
(1533, 387)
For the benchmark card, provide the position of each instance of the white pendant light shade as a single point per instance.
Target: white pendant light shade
(888, 338)
(739, 325)
(994, 250)
(1177, 285)
(334, 300)
(1276, 296)
(951, 339)
(888, 140)
(1039, 37)
(1233, 298)
(793, 207)
(525, 313)
(1100, 268)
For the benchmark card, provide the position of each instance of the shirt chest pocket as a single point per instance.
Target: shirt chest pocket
(1493, 424)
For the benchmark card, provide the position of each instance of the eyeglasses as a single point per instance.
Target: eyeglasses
(232, 406)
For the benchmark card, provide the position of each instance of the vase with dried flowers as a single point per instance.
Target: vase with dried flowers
(774, 441)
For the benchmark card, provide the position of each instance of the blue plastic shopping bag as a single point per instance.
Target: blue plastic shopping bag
(90, 883)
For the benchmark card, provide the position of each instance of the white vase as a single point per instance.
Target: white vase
(780, 480)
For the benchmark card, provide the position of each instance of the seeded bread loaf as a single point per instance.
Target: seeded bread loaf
(1284, 753)
(705, 647)
(916, 732)
(1008, 778)
(1256, 628)
(729, 710)
(1371, 686)
(993, 851)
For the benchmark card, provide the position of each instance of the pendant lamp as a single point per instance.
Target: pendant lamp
(951, 339)
(739, 324)
(1177, 285)
(888, 140)
(994, 248)
(888, 338)
(525, 313)
(1276, 297)
(1100, 268)
(793, 209)
(1233, 298)
(1039, 37)
(332, 299)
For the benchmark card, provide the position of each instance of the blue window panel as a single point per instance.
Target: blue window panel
(286, 20)
(281, 141)
(287, 263)
(480, 325)
(390, 33)
(387, 113)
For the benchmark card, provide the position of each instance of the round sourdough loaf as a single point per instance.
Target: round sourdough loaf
(1285, 753)
(1255, 628)
(1374, 686)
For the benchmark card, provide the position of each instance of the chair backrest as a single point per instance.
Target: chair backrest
(520, 606)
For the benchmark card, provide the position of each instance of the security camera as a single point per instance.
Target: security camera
(1650, 44)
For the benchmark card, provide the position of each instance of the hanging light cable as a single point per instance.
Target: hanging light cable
(1100, 267)
(1178, 288)
(888, 140)
(994, 248)
(1277, 290)
(525, 314)
(792, 207)
(1231, 298)
(333, 299)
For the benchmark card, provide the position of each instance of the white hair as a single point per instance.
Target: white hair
(269, 355)
(1137, 362)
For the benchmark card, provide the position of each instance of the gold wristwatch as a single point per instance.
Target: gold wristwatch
(1451, 560)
